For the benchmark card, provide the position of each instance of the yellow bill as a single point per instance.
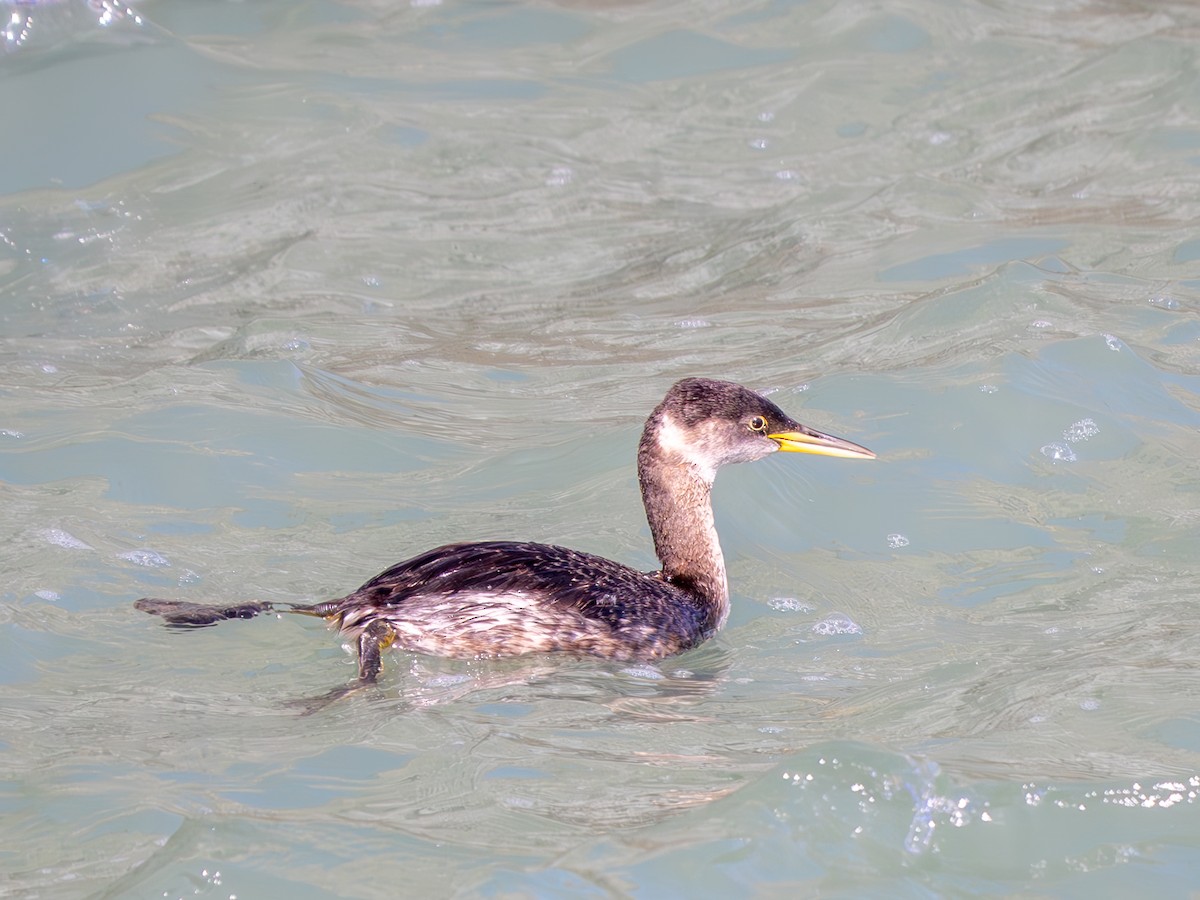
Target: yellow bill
(810, 441)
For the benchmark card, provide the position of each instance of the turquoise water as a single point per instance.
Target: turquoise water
(291, 291)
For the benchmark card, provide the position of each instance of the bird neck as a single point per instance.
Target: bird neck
(678, 498)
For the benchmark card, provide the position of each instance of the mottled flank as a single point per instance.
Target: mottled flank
(504, 598)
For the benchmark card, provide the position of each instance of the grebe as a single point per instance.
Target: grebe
(506, 598)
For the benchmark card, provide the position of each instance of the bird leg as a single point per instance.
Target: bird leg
(375, 638)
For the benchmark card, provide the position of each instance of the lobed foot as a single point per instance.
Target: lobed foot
(181, 614)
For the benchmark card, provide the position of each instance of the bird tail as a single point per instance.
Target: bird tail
(182, 614)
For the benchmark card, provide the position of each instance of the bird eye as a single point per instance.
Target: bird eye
(759, 424)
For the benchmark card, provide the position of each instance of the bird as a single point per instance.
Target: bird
(490, 599)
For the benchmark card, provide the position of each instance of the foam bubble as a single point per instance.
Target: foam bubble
(1082, 430)
(148, 558)
(790, 604)
(63, 539)
(438, 681)
(648, 672)
(560, 175)
(837, 623)
(1058, 452)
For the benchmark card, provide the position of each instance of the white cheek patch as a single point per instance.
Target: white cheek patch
(674, 440)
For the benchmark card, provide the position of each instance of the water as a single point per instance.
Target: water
(291, 291)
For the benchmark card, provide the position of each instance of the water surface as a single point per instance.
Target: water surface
(289, 292)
